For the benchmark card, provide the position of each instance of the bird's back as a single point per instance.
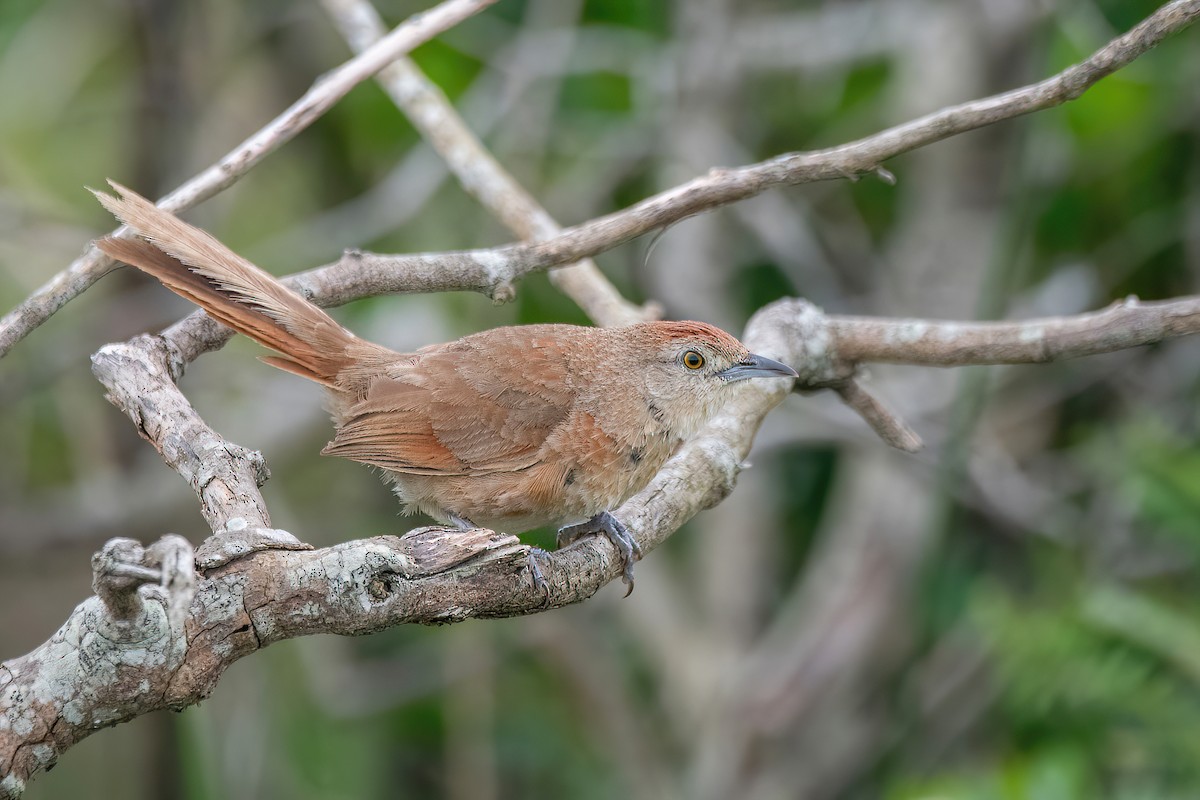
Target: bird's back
(483, 403)
(512, 427)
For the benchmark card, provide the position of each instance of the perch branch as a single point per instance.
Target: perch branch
(77, 683)
(74, 683)
(328, 89)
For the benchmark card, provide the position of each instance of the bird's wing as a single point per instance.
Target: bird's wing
(467, 408)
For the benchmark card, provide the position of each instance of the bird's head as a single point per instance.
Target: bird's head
(689, 368)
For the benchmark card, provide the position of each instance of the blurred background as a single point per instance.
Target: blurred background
(1011, 613)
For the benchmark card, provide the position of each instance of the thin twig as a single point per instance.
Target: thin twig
(325, 92)
(475, 167)
(495, 269)
(886, 423)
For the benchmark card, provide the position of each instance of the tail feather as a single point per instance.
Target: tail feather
(199, 268)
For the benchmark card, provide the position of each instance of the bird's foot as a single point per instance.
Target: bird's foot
(617, 533)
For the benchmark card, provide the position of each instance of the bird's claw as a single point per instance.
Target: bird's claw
(615, 531)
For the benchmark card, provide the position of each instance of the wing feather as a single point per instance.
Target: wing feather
(483, 404)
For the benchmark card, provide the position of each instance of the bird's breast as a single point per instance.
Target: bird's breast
(582, 469)
(606, 461)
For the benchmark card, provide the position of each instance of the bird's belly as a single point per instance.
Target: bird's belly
(552, 492)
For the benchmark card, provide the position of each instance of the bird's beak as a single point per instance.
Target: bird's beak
(756, 366)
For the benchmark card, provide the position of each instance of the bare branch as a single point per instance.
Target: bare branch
(493, 271)
(497, 268)
(882, 419)
(140, 377)
(476, 169)
(835, 346)
(328, 89)
(942, 343)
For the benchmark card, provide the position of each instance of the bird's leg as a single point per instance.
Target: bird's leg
(539, 580)
(617, 533)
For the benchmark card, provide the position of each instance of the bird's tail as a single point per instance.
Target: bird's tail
(199, 268)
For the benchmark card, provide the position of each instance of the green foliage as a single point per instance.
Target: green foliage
(452, 70)
(1068, 680)
(1057, 773)
(1163, 479)
(803, 480)
(649, 17)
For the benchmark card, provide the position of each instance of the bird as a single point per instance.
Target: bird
(509, 429)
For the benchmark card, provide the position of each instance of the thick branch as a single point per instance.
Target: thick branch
(140, 377)
(76, 683)
(429, 575)
(328, 89)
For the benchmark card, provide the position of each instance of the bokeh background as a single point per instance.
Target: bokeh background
(1010, 614)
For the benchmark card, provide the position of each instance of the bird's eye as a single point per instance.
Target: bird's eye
(693, 360)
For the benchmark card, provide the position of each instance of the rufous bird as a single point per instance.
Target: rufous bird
(508, 429)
